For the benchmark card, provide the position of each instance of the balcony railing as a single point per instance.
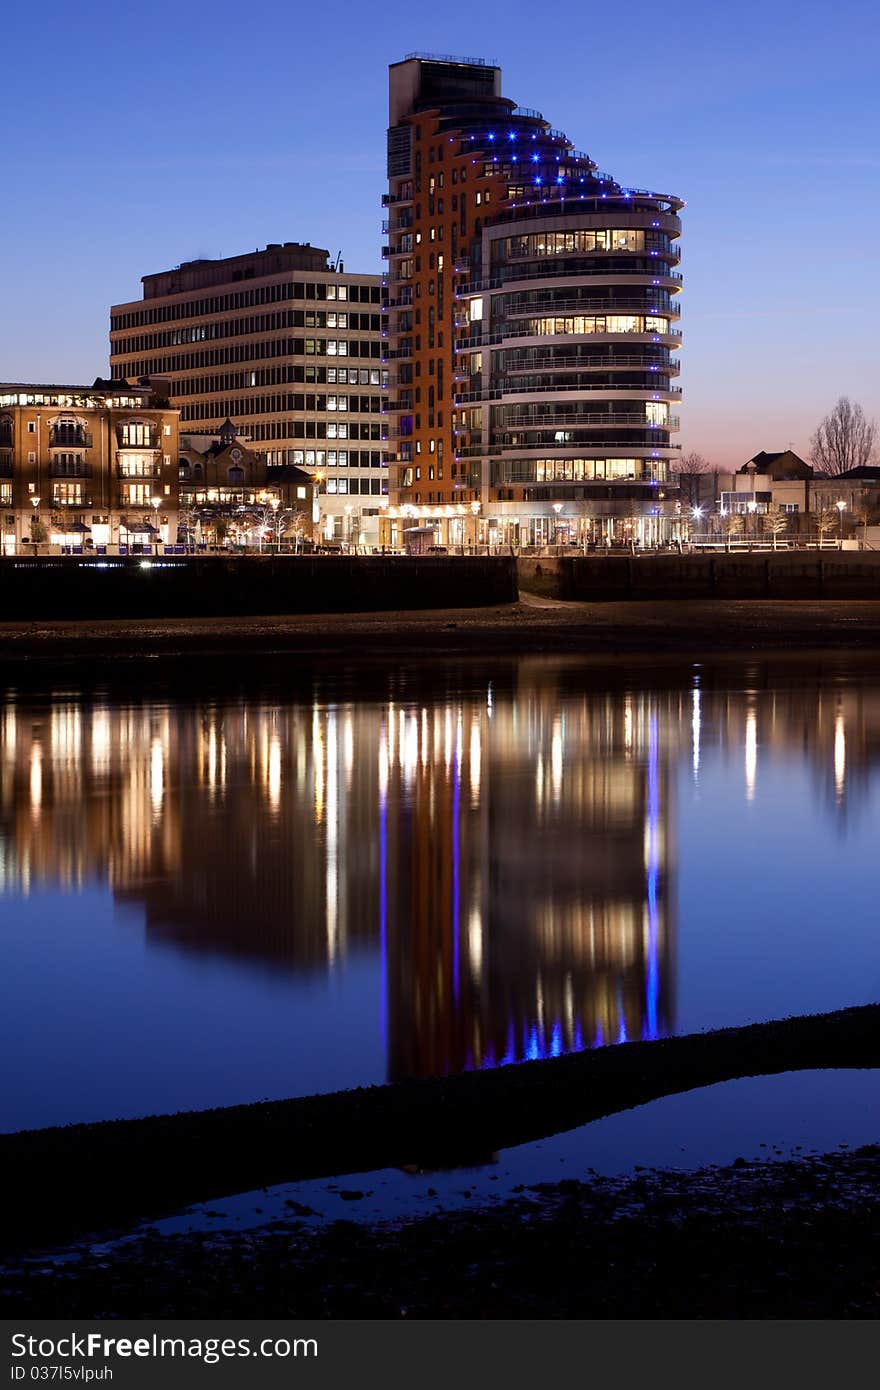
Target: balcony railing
(649, 334)
(500, 393)
(68, 470)
(125, 468)
(552, 307)
(558, 421)
(476, 451)
(70, 439)
(551, 272)
(562, 362)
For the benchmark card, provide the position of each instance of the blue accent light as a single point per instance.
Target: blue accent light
(491, 135)
(533, 1048)
(560, 179)
(578, 1037)
(556, 1040)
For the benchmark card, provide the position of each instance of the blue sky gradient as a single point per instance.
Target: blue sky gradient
(138, 138)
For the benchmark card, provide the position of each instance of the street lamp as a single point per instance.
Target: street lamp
(841, 508)
(35, 502)
(275, 503)
(475, 512)
(557, 507)
(752, 508)
(155, 503)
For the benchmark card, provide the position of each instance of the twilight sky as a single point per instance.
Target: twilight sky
(138, 137)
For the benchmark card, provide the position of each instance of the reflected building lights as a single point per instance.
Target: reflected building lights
(695, 729)
(273, 780)
(516, 874)
(157, 776)
(475, 761)
(839, 757)
(751, 752)
(36, 779)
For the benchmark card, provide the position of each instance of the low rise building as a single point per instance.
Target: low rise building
(228, 492)
(86, 467)
(769, 482)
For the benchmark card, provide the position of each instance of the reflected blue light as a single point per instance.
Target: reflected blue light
(383, 910)
(652, 985)
(556, 1039)
(533, 1046)
(456, 871)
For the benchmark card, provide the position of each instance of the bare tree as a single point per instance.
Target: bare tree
(844, 439)
(690, 468)
(691, 463)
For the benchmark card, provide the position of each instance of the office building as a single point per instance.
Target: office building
(532, 321)
(287, 346)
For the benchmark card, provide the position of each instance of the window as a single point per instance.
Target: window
(67, 495)
(137, 494)
(137, 434)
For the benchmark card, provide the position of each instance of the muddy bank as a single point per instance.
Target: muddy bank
(62, 1182)
(694, 627)
(791, 1240)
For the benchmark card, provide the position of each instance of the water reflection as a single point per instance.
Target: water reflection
(504, 852)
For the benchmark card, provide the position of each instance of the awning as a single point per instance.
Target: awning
(139, 528)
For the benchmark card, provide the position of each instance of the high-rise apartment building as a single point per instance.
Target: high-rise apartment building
(288, 347)
(532, 321)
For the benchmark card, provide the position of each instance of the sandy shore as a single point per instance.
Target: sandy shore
(757, 1240)
(532, 625)
(63, 1182)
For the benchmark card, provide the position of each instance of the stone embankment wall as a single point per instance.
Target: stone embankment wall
(216, 586)
(807, 575)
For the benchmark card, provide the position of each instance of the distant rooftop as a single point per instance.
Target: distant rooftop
(100, 387)
(449, 58)
(276, 258)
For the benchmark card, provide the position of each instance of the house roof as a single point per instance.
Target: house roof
(783, 464)
(865, 473)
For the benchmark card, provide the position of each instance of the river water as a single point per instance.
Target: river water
(277, 883)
